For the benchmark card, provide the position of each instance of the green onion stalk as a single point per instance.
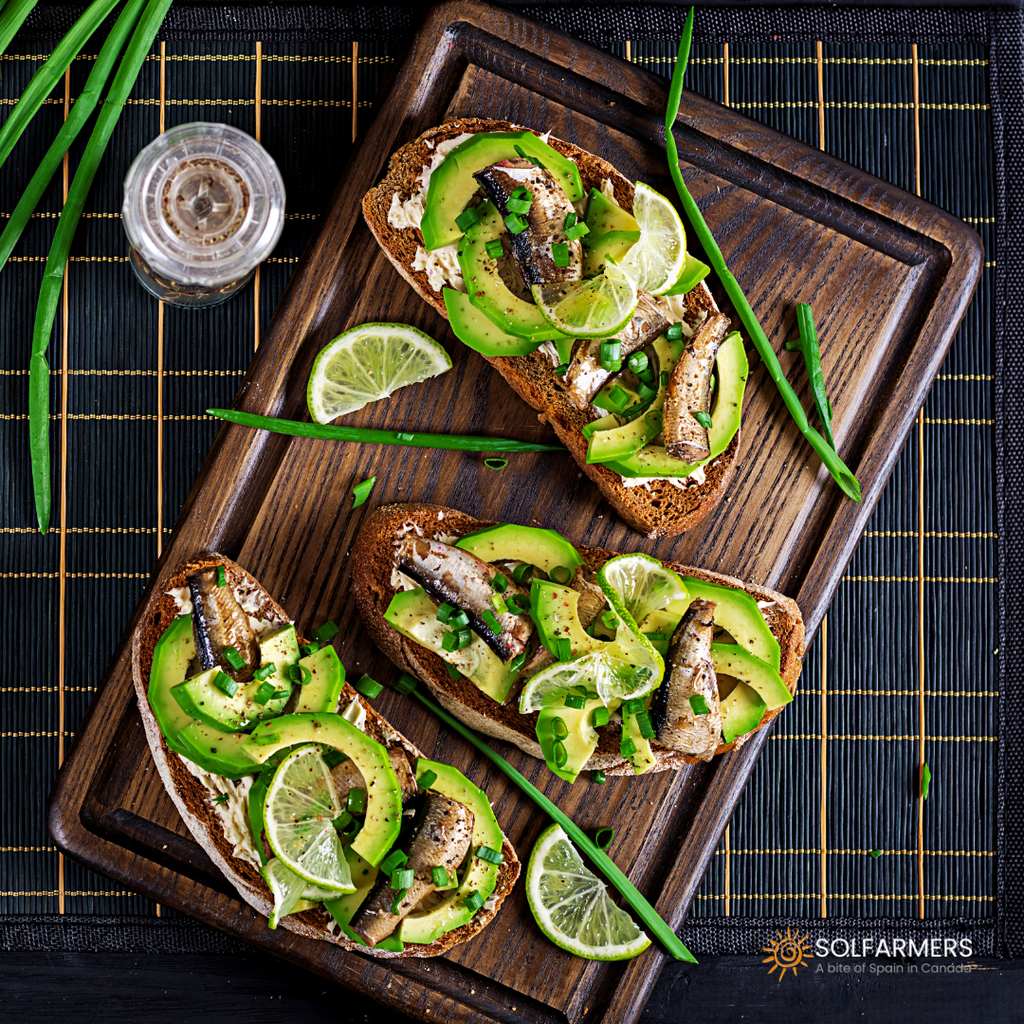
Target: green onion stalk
(46, 78)
(647, 914)
(12, 16)
(80, 112)
(840, 472)
(368, 435)
(811, 351)
(56, 263)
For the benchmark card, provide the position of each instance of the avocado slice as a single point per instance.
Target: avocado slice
(737, 613)
(479, 331)
(582, 738)
(343, 908)
(480, 876)
(642, 759)
(383, 794)
(216, 751)
(202, 698)
(508, 542)
(452, 185)
(604, 215)
(742, 710)
(694, 271)
(414, 615)
(726, 412)
(733, 660)
(613, 243)
(489, 293)
(327, 677)
(554, 610)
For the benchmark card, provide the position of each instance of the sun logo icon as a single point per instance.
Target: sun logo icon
(788, 952)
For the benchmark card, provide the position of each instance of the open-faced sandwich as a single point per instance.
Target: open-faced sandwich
(582, 657)
(322, 816)
(576, 286)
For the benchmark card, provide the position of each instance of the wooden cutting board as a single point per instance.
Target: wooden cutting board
(890, 277)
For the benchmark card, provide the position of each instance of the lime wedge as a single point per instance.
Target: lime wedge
(658, 259)
(593, 308)
(300, 808)
(286, 886)
(571, 904)
(640, 584)
(370, 362)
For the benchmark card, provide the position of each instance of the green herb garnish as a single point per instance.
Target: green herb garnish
(926, 780)
(699, 704)
(362, 491)
(811, 351)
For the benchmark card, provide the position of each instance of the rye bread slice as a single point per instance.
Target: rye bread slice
(194, 800)
(373, 562)
(658, 508)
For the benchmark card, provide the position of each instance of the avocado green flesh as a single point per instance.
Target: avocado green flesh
(217, 751)
(531, 544)
(488, 292)
(414, 615)
(733, 660)
(642, 759)
(452, 184)
(326, 680)
(742, 710)
(481, 876)
(383, 794)
(478, 331)
(202, 699)
(343, 909)
(171, 657)
(604, 215)
(737, 613)
(694, 271)
(581, 741)
(555, 611)
(614, 243)
(726, 413)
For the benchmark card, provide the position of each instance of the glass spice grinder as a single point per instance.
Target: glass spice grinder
(203, 206)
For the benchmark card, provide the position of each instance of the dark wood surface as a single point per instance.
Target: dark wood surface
(890, 277)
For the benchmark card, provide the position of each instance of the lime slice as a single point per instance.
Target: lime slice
(593, 308)
(300, 808)
(640, 584)
(370, 362)
(286, 886)
(571, 904)
(658, 259)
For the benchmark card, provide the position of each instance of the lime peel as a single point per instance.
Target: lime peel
(658, 259)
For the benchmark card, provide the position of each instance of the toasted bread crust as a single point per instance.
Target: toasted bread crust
(371, 584)
(656, 509)
(192, 798)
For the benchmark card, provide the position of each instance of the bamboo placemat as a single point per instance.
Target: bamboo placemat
(905, 669)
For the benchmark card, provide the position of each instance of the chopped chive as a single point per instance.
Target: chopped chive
(467, 219)
(499, 584)
(362, 491)
(611, 356)
(403, 436)
(563, 649)
(515, 224)
(572, 700)
(325, 632)
(657, 638)
(560, 254)
(645, 392)
(233, 658)
(403, 878)
(299, 674)
(603, 837)
(559, 754)
(699, 704)
(265, 671)
(643, 720)
(395, 859)
(703, 419)
(600, 717)
(342, 821)
(367, 686)
(221, 798)
(618, 396)
(675, 332)
(559, 729)
(332, 757)
(439, 876)
(561, 574)
(427, 779)
(489, 855)
(627, 747)
(474, 901)
(875, 853)
(459, 620)
(520, 572)
(444, 612)
(225, 683)
(516, 664)
(665, 375)
(222, 576)
(562, 370)
(396, 906)
(600, 778)
(519, 202)
(264, 693)
(490, 620)
(494, 248)
(307, 649)
(498, 604)
(466, 638)
(450, 641)
(453, 673)
(405, 683)
(926, 780)
(533, 160)
(519, 603)
(356, 803)
(577, 231)
(495, 463)
(638, 362)
(570, 220)
(633, 706)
